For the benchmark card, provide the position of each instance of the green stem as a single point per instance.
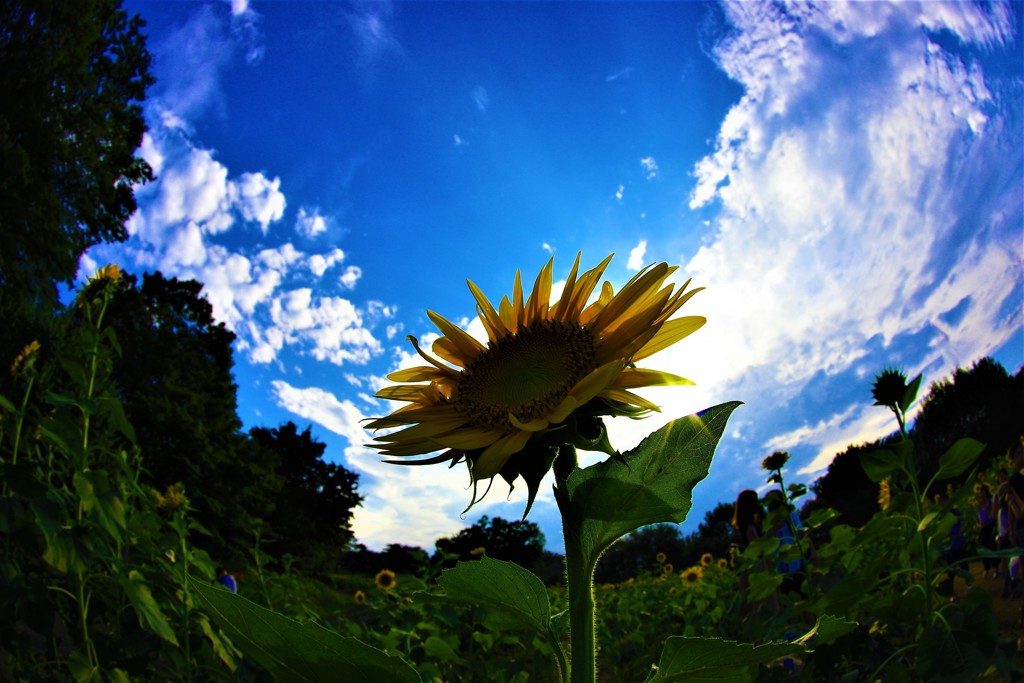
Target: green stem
(580, 586)
(187, 599)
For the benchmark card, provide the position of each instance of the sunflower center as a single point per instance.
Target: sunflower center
(527, 374)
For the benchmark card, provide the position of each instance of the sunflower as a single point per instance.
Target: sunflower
(706, 559)
(723, 563)
(99, 285)
(385, 579)
(775, 461)
(692, 576)
(661, 558)
(359, 597)
(546, 375)
(25, 360)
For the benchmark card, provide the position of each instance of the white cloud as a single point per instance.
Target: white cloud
(636, 256)
(620, 192)
(848, 209)
(319, 263)
(350, 277)
(480, 98)
(260, 199)
(621, 73)
(310, 223)
(650, 167)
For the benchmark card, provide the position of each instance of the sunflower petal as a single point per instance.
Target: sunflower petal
(631, 378)
(535, 425)
(488, 316)
(468, 347)
(537, 304)
(623, 396)
(671, 332)
(420, 373)
(560, 308)
(497, 454)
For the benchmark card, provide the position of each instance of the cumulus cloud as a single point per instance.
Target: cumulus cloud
(350, 277)
(309, 223)
(636, 256)
(849, 213)
(260, 199)
(320, 263)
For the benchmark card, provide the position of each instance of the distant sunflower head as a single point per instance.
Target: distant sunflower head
(775, 461)
(661, 558)
(706, 559)
(545, 377)
(359, 597)
(723, 563)
(889, 388)
(101, 284)
(385, 579)
(692, 576)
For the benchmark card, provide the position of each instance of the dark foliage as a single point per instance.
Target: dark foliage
(636, 553)
(521, 542)
(312, 520)
(73, 75)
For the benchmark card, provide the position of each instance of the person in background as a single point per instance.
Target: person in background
(747, 516)
(987, 529)
(225, 579)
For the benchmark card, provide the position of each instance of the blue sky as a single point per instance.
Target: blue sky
(845, 180)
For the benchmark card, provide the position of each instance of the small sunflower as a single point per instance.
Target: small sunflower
(360, 598)
(385, 579)
(884, 494)
(173, 498)
(723, 563)
(692, 576)
(25, 360)
(543, 380)
(706, 559)
(775, 461)
(667, 568)
(99, 285)
(661, 557)
(478, 551)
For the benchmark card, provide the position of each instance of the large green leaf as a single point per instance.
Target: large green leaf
(710, 659)
(651, 483)
(881, 462)
(512, 596)
(149, 612)
(958, 458)
(291, 651)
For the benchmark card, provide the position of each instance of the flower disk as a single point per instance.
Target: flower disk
(544, 365)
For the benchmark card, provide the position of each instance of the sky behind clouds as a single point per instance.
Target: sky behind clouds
(846, 180)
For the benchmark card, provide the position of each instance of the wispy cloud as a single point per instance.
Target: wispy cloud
(480, 98)
(650, 167)
(621, 73)
(310, 222)
(849, 210)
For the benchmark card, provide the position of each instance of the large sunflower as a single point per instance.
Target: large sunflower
(544, 378)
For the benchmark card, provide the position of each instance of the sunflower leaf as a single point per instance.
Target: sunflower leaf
(512, 596)
(291, 651)
(610, 499)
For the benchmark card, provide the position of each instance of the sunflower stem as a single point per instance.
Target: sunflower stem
(579, 570)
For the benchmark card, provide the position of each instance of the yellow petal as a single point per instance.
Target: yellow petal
(420, 373)
(591, 385)
(497, 454)
(488, 316)
(631, 378)
(537, 304)
(560, 307)
(535, 425)
(468, 439)
(671, 332)
(468, 348)
(419, 393)
(623, 396)
(585, 287)
(424, 430)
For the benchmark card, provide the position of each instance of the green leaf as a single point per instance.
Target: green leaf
(910, 394)
(651, 483)
(880, 463)
(291, 651)
(100, 500)
(438, 649)
(825, 630)
(696, 660)
(151, 617)
(958, 458)
(7, 405)
(512, 596)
